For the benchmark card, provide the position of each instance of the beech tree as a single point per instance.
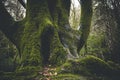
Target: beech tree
(44, 35)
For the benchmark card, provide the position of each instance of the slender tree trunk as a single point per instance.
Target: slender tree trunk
(85, 21)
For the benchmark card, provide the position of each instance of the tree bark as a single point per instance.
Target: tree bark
(38, 36)
(85, 21)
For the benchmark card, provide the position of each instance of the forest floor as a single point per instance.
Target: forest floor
(87, 68)
(51, 73)
(47, 73)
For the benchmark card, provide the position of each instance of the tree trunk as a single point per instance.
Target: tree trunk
(40, 36)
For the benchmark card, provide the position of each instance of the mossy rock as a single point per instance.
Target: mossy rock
(88, 65)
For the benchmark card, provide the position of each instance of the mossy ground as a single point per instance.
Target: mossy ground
(87, 68)
(90, 66)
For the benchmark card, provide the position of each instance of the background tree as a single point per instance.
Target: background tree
(104, 36)
(113, 26)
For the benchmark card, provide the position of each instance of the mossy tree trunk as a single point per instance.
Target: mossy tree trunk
(85, 21)
(37, 36)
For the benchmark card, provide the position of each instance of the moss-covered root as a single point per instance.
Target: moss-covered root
(68, 77)
(57, 53)
(89, 65)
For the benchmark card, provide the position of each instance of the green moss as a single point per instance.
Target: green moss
(37, 36)
(89, 65)
(96, 45)
(40, 42)
(31, 46)
(68, 77)
(85, 21)
(31, 42)
(57, 52)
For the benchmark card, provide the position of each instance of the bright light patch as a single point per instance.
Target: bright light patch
(75, 13)
(76, 3)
